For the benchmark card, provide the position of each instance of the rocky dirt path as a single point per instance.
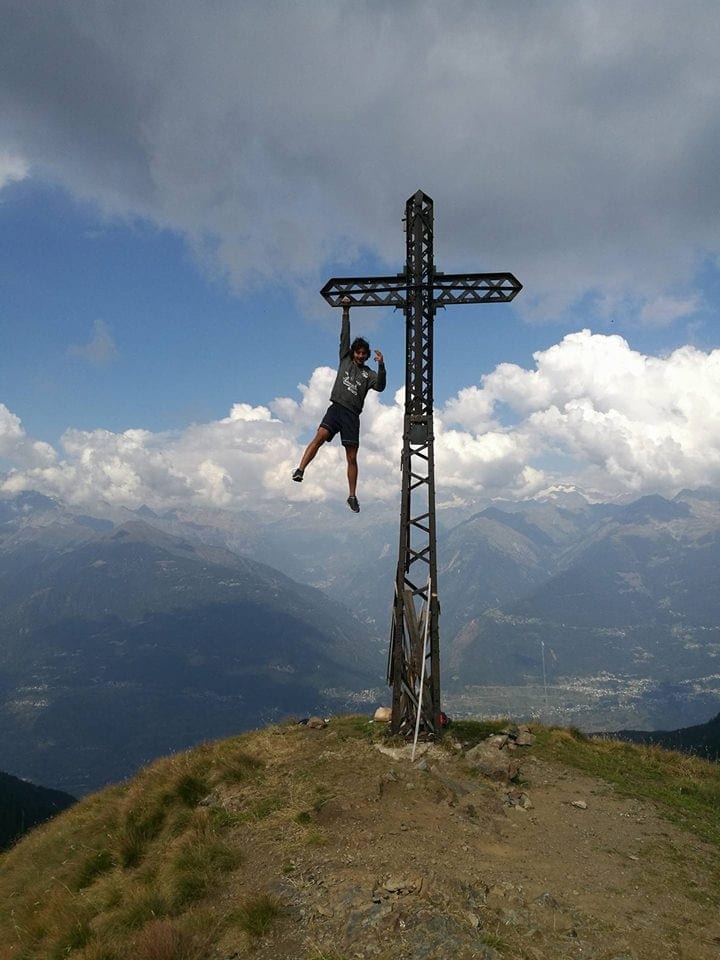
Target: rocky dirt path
(432, 860)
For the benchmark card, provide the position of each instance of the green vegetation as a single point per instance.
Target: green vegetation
(685, 789)
(471, 732)
(94, 866)
(494, 940)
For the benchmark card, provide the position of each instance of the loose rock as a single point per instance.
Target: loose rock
(494, 762)
(316, 723)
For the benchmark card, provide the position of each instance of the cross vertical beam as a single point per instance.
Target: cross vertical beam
(414, 657)
(414, 654)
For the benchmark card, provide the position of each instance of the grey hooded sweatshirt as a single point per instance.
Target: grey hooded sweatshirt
(352, 381)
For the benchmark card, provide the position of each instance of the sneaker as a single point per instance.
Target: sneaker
(353, 504)
(298, 475)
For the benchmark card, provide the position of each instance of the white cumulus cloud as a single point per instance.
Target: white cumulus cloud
(16, 446)
(629, 422)
(592, 412)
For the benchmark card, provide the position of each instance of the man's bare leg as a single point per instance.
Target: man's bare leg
(352, 469)
(321, 437)
(352, 475)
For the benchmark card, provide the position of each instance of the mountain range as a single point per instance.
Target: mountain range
(623, 598)
(128, 634)
(121, 642)
(604, 613)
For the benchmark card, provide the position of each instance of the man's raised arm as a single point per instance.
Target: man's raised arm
(345, 333)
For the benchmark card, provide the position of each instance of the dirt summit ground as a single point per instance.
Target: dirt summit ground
(332, 843)
(426, 860)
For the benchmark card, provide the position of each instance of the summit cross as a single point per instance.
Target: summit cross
(414, 654)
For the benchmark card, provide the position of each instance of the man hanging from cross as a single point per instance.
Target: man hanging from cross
(354, 379)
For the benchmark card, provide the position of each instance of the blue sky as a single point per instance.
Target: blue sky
(116, 325)
(179, 344)
(177, 183)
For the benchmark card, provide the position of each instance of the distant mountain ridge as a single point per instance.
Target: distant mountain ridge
(701, 740)
(24, 805)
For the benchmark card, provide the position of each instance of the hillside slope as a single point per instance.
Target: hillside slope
(293, 843)
(701, 740)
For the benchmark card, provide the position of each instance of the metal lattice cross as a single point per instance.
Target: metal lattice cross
(414, 655)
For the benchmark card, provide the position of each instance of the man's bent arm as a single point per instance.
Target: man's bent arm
(379, 384)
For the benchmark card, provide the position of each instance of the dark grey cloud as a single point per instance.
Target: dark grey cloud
(67, 106)
(573, 142)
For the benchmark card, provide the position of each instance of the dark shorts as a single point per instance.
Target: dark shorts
(340, 420)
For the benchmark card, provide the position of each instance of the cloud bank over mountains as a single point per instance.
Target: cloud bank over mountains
(574, 143)
(592, 413)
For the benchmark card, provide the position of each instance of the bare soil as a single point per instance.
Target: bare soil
(371, 855)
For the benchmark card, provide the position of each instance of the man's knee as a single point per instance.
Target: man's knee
(351, 454)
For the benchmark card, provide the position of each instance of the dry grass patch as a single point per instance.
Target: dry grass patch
(90, 882)
(165, 940)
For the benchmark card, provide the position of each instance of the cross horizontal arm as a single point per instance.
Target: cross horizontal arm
(366, 291)
(448, 288)
(474, 288)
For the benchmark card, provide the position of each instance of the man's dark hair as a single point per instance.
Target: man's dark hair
(360, 343)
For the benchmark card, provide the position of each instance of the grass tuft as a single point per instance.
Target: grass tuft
(74, 937)
(139, 909)
(100, 951)
(95, 866)
(256, 917)
(494, 941)
(198, 866)
(141, 828)
(263, 808)
(164, 940)
(241, 767)
(189, 789)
